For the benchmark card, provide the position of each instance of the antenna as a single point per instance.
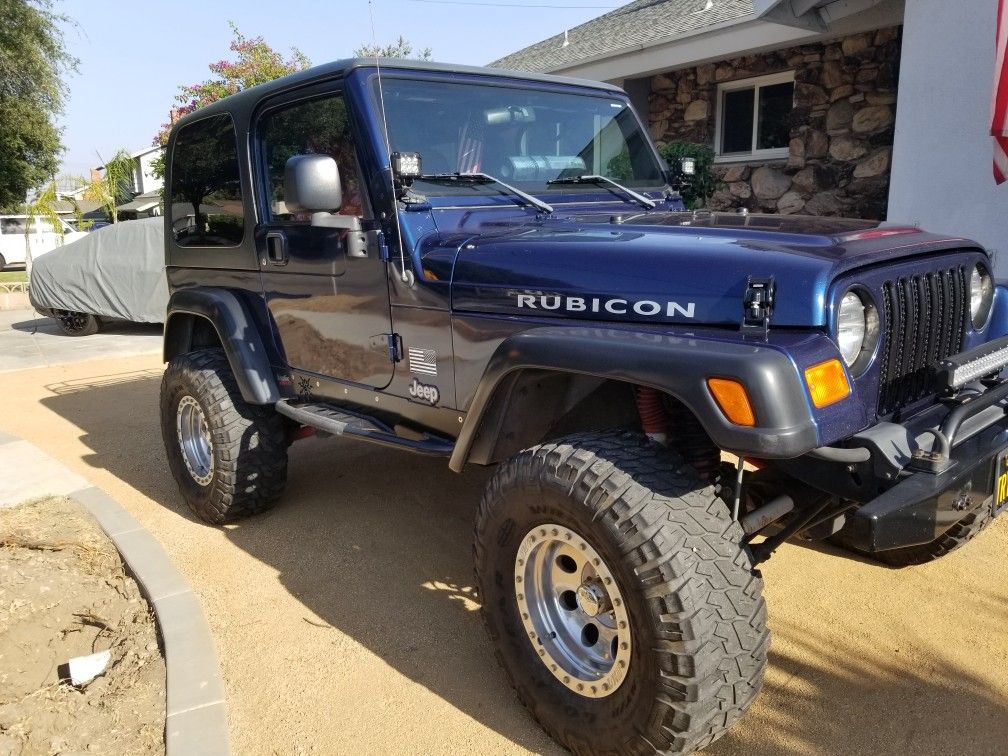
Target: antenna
(406, 276)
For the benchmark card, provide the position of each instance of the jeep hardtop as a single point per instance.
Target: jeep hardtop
(495, 268)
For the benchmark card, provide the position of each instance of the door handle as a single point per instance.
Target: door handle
(276, 247)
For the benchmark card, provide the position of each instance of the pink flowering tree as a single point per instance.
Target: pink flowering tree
(254, 62)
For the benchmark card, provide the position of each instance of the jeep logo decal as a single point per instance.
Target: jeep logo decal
(611, 305)
(424, 393)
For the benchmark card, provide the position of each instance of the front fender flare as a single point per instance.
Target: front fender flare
(676, 365)
(238, 336)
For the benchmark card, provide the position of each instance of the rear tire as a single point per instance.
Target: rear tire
(228, 457)
(696, 636)
(77, 323)
(963, 531)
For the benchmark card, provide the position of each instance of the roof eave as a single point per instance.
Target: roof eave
(704, 31)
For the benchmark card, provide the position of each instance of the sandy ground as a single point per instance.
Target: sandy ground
(64, 594)
(345, 619)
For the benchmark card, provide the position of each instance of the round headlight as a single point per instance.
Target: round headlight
(851, 327)
(857, 330)
(981, 295)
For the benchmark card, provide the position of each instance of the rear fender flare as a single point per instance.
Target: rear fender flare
(676, 365)
(238, 336)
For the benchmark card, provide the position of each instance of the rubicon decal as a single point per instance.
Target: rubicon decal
(606, 305)
(424, 393)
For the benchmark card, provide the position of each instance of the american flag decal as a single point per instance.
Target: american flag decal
(423, 361)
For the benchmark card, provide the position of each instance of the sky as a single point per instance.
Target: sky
(133, 57)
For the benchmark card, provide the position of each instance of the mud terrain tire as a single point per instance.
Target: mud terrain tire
(247, 450)
(960, 533)
(696, 612)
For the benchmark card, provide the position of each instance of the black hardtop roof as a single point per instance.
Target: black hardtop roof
(247, 98)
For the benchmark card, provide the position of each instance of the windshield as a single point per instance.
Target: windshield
(526, 137)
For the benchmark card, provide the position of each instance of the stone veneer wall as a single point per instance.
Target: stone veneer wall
(841, 126)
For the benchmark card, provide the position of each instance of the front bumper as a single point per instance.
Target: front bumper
(923, 505)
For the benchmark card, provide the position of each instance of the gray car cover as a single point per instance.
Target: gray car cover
(115, 272)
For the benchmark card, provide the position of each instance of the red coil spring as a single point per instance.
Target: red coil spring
(652, 413)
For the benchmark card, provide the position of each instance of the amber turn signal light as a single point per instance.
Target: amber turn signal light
(733, 399)
(827, 383)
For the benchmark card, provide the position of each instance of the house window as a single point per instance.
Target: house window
(753, 118)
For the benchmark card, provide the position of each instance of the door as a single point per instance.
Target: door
(13, 243)
(330, 309)
(44, 236)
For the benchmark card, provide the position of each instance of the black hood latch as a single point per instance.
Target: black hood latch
(758, 305)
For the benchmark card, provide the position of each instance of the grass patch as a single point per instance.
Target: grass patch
(13, 276)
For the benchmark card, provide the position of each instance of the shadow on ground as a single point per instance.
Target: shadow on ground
(377, 543)
(43, 324)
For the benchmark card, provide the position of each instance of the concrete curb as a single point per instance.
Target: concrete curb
(195, 708)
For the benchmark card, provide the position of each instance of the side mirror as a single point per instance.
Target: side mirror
(312, 184)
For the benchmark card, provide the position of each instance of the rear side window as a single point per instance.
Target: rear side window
(206, 198)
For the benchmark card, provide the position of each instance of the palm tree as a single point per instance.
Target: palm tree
(114, 185)
(43, 207)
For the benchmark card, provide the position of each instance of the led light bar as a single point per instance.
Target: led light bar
(981, 361)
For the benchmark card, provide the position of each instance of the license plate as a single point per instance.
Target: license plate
(1001, 483)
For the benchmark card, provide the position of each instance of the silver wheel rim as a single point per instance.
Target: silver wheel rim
(572, 610)
(194, 440)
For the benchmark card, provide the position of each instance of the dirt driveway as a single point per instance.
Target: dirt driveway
(345, 619)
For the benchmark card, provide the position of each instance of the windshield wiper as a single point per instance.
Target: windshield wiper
(486, 178)
(592, 178)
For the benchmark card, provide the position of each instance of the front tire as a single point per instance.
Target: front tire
(695, 638)
(228, 457)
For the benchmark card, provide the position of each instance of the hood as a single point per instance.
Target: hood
(665, 267)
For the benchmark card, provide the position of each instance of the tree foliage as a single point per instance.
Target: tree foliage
(33, 65)
(401, 48)
(255, 63)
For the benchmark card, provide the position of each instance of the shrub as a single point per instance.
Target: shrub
(698, 188)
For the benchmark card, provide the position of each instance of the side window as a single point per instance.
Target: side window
(309, 127)
(12, 225)
(206, 198)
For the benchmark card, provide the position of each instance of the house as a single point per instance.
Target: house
(70, 201)
(871, 108)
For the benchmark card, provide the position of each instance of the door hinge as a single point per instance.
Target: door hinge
(395, 349)
(758, 304)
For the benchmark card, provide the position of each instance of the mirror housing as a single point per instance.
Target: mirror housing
(312, 184)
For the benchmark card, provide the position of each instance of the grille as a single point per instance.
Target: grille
(925, 321)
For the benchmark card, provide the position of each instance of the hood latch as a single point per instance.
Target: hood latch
(758, 304)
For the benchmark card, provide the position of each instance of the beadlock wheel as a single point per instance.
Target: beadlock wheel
(194, 440)
(572, 610)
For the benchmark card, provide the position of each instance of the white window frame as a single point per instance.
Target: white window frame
(755, 83)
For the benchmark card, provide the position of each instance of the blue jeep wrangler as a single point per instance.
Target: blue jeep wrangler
(494, 267)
